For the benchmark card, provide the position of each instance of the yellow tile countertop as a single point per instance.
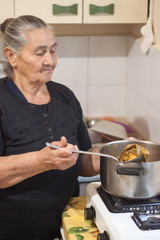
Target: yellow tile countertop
(74, 225)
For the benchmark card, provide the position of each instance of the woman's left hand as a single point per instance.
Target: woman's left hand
(61, 158)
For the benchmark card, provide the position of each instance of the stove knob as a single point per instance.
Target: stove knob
(89, 213)
(103, 236)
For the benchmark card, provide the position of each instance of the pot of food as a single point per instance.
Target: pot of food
(124, 178)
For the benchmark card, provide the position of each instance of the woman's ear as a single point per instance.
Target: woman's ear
(11, 56)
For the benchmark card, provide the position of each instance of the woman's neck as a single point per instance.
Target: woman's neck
(36, 93)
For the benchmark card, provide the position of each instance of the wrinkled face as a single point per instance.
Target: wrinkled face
(38, 57)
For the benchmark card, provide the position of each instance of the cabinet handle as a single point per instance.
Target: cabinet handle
(93, 9)
(57, 9)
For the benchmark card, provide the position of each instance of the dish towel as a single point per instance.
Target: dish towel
(74, 225)
(147, 32)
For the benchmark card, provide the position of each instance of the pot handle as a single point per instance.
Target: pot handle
(130, 171)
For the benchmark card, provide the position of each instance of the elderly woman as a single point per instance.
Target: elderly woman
(36, 182)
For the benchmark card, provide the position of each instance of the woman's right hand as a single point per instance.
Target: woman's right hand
(60, 159)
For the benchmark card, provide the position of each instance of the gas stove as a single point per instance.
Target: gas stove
(120, 222)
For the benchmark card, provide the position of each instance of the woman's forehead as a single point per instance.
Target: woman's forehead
(40, 37)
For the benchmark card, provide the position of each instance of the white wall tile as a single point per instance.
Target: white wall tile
(155, 80)
(138, 112)
(81, 94)
(107, 60)
(106, 100)
(2, 74)
(131, 105)
(139, 69)
(154, 124)
(2, 58)
(87, 62)
(72, 61)
(143, 105)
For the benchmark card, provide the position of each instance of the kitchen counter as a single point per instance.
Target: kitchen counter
(73, 223)
(104, 136)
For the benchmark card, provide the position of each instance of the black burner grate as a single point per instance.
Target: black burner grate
(120, 205)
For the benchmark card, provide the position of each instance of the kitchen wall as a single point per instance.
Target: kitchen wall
(95, 69)
(112, 77)
(143, 98)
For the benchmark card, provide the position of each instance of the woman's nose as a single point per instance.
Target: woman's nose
(48, 59)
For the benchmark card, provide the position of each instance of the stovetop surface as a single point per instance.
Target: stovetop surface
(119, 226)
(120, 205)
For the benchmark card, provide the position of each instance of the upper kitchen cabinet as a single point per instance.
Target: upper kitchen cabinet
(115, 11)
(51, 11)
(84, 11)
(6, 9)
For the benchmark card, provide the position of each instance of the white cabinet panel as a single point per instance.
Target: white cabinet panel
(115, 11)
(6, 9)
(51, 11)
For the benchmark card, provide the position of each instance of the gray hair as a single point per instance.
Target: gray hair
(14, 33)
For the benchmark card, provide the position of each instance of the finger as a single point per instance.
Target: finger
(63, 142)
(131, 139)
(75, 147)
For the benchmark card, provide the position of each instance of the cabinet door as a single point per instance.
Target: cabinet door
(115, 11)
(51, 11)
(6, 9)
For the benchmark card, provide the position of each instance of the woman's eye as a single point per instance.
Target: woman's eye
(52, 51)
(39, 54)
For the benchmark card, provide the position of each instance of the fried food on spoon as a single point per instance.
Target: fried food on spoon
(132, 151)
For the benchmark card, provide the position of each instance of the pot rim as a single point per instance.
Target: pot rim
(130, 142)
